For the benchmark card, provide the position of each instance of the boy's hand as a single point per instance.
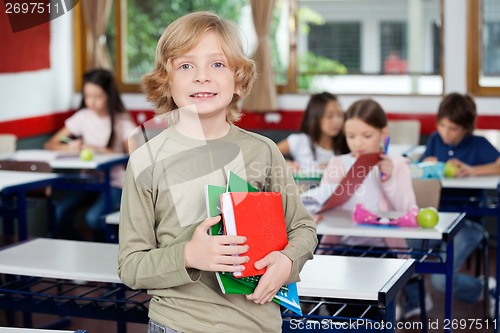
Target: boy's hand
(463, 168)
(430, 159)
(278, 267)
(215, 253)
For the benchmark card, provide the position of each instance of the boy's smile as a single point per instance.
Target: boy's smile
(203, 77)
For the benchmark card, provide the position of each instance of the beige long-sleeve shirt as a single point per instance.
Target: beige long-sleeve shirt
(163, 202)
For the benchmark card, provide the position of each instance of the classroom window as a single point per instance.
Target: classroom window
(393, 47)
(373, 47)
(316, 45)
(484, 47)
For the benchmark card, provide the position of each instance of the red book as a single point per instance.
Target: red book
(260, 218)
(354, 178)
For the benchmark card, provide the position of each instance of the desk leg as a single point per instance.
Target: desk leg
(22, 216)
(497, 263)
(390, 317)
(107, 190)
(448, 301)
(8, 208)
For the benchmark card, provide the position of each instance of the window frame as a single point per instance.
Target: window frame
(474, 61)
(291, 87)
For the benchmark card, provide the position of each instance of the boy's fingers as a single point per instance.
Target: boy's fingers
(260, 264)
(205, 225)
(232, 239)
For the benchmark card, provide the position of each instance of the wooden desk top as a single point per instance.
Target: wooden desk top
(340, 223)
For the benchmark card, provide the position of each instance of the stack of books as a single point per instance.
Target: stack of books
(260, 218)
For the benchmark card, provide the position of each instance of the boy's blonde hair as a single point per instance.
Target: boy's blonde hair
(181, 36)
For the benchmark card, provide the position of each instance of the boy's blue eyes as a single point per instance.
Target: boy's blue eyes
(188, 66)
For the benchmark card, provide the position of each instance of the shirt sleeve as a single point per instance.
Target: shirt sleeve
(73, 123)
(430, 147)
(334, 171)
(293, 145)
(398, 189)
(487, 152)
(141, 262)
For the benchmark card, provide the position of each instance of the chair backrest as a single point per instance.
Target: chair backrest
(34, 166)
(404, 131)
(7, 143)
(491, 135)
(427, 192)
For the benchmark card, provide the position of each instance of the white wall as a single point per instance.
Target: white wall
(44, 92)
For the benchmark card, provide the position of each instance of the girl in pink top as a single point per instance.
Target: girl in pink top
(103, 125)
(387, 187)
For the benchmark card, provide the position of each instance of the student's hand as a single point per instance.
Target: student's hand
(385, 165)
(74, 146)
(430, 159)
(215, 253)
(464, 169)
(278, 267)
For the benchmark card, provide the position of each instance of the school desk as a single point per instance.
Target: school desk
(13, 188)
(69, 164)
(57, 262)
(353, 280)
(490, 208)
(68, 278)
(340, 223)
(32, 330)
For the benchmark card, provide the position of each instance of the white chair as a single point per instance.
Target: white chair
(7, 143)
(404, 131)
(491, 135)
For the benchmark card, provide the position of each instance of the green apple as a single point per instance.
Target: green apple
(450, 170)
(86, 154)
(427, 217)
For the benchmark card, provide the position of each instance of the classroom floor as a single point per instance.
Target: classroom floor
(460, 310)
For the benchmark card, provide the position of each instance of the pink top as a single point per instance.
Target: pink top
(394, 194)
(95, 131)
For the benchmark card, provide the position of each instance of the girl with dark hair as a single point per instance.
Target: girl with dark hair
(386, 187)
(320, 136)
(102, 125)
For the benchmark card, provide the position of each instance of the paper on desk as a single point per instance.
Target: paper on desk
(35, 155)
(40, 155)
(315, 198)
